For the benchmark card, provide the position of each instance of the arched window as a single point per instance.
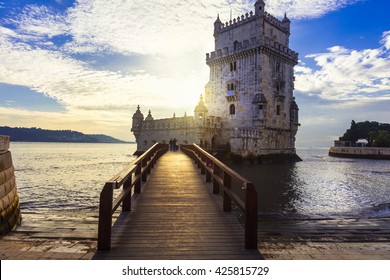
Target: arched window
(235, 46)
(232, 109)
(278, 110)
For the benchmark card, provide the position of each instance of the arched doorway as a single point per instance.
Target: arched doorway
(215, 142)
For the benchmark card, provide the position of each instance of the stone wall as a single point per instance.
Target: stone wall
(360, 152)
(10, 215)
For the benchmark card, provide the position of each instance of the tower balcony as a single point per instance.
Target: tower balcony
(231, 95)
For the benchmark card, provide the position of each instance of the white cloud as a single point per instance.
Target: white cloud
(40, 22)
(76, 85)
(346, 74)
(302, 9)
(150, 27)
(155, 27)
(386, 40)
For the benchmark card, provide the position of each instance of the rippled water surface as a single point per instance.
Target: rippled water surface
(62, 176)
(322, 186)
(69, 177)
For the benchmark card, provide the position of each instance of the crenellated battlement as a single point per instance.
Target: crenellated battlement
(240, 46)
(248, 17)
(280, 48)
(284, 25)
(237, 21)
(253, 44)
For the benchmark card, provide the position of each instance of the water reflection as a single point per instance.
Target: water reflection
(275, 185)
(321, 186)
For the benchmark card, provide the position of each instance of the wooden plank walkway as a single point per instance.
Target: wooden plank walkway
(177, 217)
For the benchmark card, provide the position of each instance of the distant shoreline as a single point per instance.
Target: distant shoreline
(70, 142)
(34, 134)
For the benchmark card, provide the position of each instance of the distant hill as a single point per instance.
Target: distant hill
(34, 134)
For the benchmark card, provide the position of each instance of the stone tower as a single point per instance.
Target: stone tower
(251, 84)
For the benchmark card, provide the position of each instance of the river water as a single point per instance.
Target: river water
(69, 177)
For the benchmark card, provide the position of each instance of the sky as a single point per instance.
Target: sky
(85, 65)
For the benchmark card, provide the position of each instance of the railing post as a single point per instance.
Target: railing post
(250, 217)
(144, 174)
(197, 158)
(215, 182)
(137, 186)
(208, 174)
(202, 160)
(105, 218)
(155, 156)
(126, 204)
(148, 169)
(227, 184)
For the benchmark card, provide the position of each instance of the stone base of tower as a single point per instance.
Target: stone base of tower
(278, 158)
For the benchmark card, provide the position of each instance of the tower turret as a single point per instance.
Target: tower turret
(136, 126)
(217, 25)
(286, 22)
(149, 117)
(259, 7)
(200, 112)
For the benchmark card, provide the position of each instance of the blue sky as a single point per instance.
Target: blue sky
(85, 65)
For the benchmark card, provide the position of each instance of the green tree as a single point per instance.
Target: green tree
(382, 139)
(369, 131)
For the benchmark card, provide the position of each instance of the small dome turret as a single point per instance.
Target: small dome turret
(149, 117)
(138, 114)
(138, 119)
(200, 107)
(200, 112)
(259, 7)
(217, 25)
(286, 19)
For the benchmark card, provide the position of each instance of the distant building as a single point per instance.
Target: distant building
(248, 104)
(338, 143)
(359, 143)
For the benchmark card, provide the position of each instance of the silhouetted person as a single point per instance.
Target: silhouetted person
(171, 144)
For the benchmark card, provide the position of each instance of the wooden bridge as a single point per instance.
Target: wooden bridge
(178, 214)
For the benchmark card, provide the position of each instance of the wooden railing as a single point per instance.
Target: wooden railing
(131, 176)
(222, 176)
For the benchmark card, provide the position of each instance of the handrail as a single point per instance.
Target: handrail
(131, 176)
(222, 177)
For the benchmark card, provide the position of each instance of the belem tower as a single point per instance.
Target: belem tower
(248, 106)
